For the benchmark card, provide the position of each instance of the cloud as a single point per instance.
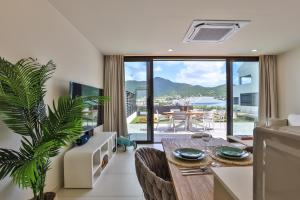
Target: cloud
(135, 71)
(157, 69)
(204, 73)
(136, 75)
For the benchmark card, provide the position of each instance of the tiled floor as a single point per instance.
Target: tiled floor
(117, 182)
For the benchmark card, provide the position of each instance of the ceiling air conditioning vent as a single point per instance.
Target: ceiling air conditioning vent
(212, 31)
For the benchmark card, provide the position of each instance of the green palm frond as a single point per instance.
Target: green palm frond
(64, 122)
(25, 80)
(35, 157)
(21, 93)
(23, 166)
(9, 161)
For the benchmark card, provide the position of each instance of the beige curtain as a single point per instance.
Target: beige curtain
(268, 100)
(114, 87)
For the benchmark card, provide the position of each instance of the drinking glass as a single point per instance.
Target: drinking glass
(207, 143)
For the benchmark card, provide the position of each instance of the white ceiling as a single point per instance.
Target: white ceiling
(151, 27)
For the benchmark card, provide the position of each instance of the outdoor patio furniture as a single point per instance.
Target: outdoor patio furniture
(160, 117)
(221, 116)
(187, 120)
(180, 117)
(153, 174)
(208, 120)
(198, 120)
(197, 110)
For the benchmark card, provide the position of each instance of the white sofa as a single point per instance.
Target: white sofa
(277, 159)
(277, 162)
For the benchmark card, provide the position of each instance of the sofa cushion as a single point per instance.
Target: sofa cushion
(294, 120)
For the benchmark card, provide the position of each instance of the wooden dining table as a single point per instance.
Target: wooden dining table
(195, 187)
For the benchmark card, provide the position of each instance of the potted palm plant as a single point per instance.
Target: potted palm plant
(44, 130)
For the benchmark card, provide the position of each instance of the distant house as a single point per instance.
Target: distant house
(245, 93)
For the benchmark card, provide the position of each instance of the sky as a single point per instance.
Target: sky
(204, 73)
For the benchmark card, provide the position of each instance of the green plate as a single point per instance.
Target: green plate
(244, 156)
(231, 151)
(189, 154)
(219, 151)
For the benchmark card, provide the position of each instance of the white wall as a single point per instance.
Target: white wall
(247, 68)
(34, 28)
(289, 82)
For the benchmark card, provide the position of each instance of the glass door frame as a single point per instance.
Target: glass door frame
(149, 80)
(229, 67)
(150, 93)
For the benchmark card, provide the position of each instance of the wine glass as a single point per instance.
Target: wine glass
(207, 142)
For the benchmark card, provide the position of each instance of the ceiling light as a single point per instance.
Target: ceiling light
(254, 50)
(170, 50)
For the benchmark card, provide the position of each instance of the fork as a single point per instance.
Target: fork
(190, 173)
(194, 171)
(201, 169)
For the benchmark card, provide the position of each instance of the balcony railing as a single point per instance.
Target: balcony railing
(130, 103)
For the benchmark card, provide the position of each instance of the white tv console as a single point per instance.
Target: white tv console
(83, 164)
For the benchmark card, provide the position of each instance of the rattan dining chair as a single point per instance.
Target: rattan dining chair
(153, 174)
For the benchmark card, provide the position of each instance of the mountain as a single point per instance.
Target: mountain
(165, 87)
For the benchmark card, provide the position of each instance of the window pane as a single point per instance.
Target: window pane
(245, 97)
(136, 99)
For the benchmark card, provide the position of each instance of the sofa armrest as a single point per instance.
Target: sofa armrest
(277, 122)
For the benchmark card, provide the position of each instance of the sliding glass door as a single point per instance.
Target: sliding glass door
(138, 100)
(245, 78)
(216, 95)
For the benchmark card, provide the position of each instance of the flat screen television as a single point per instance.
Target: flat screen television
(92, 115)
